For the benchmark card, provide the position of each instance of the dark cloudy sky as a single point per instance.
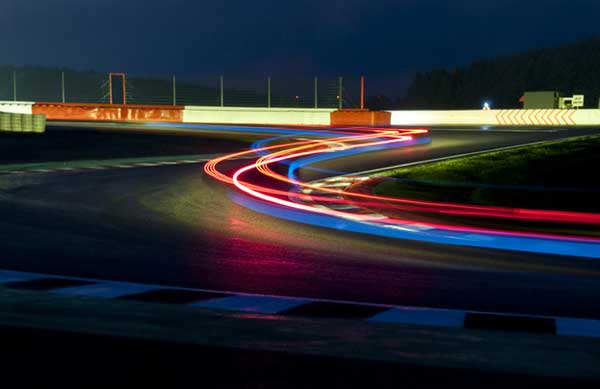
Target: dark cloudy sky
(387, 40)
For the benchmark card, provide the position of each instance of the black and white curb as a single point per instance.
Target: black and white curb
(298, 307)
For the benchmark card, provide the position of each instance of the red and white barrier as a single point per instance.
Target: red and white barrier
(108, 112)
(306, 116)
(501, 118)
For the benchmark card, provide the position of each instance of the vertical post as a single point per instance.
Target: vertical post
(110, 91)
(268, 92)
(174, 90)
(340, 92)
(222, 92)
(62, 87)
(316, 92)
(124, 90)
(14, 85)
(362, 92)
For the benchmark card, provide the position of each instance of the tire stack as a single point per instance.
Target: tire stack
(19, 122)
(39, 123)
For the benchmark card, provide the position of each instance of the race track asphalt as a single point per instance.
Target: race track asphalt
(174, 225)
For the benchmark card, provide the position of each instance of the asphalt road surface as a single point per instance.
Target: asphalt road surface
(173, 225)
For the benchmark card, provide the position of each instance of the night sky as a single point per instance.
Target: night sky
(387, 40)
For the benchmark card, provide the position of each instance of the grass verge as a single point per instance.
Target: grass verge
(554, 175)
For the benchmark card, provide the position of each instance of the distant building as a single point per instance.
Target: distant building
(541, 100)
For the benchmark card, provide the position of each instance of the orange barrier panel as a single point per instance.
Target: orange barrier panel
(360, 117)
(108, 112)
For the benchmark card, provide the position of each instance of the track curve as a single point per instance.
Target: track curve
(174, 225)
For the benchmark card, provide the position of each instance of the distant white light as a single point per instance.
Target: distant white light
(486, 106)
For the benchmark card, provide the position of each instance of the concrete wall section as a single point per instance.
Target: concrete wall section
(16, 107)
(505, 117)
(268, 116)
(443, 118)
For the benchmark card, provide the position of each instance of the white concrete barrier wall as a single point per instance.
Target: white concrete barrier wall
(505, 117)
(269, 116)
(16, 107)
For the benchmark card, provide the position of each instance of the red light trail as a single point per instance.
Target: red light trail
(359, 139)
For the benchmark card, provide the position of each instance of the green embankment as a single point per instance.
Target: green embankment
(555, 175)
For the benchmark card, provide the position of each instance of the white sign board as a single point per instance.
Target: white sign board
(578, 101)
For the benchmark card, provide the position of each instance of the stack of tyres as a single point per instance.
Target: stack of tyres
(39, 123)
(16, 122)
(27, 123)
(4, 121)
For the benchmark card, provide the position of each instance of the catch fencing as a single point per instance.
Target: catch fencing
(67, 86)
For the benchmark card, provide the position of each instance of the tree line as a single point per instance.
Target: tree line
(570, 69)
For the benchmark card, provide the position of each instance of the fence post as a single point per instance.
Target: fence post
(268, 92)
(110, 89)
(362, 92)
(174, 90)
(62, 87)
(316, 92)
(340, 92)
(14, 85)
(222, 92)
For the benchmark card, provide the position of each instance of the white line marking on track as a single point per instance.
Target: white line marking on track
(147, 164)
(340, 207)
(336, 185)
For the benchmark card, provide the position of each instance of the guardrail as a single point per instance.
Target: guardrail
(22, 122)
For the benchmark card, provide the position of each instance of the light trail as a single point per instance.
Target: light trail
(358, 140)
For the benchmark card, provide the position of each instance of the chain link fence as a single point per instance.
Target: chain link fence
(56, 85)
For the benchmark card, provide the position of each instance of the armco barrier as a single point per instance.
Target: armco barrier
(268, 116)
(16, 107)
(106, 112)
(19, 122)
(506, 117)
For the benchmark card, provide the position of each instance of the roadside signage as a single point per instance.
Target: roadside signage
(578, 101)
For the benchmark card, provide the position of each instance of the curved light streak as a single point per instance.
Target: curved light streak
(333, 143)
